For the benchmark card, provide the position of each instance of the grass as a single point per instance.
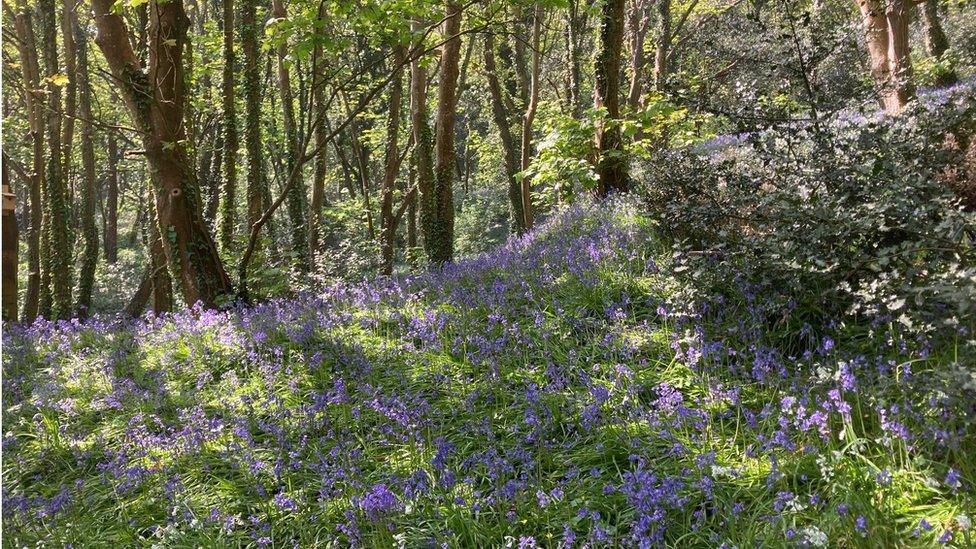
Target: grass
(557, 389)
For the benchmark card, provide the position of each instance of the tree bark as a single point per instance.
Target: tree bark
(155, 103)
(936, 42)
(662, 44)
(318, 183)
(529, 117)
(112, 202)
(440, 240)
(611, 166)
(637, 22)
(510, 153)
(423, 143)
(34, 103)
(69, 19)
(391, 165)
(886, 35)
(59, 263)
(252, 96)
(228, 201)
(296, 195)
(86, 277)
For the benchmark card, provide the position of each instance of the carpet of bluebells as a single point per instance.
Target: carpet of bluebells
(561, 391)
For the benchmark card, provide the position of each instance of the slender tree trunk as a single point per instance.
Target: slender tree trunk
(510, 153)
(440, 241)
(112, 202)
(936, 42)
(296, 195)
(392, 165)
(252, 96)
(86, 277)
(529, 117)
(34, 102)
(637, 22)
(228, 204)
(363, 169)
(662, 44)
(213, 179)
(423, 147)
(318, 183)
(155, 103)
(575, 35)
(611, 167)
(59, 236)
(68, 20)
(412, 214)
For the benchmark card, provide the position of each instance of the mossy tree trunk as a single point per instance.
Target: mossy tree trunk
(228, 198)
(155, 103)
(611, 164)
(86, 277)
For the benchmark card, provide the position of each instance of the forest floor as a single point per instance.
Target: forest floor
(559, 391)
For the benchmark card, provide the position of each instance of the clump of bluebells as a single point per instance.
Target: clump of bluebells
(557, 392)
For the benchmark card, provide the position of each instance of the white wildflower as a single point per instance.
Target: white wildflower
(964, 522)
(815, 536)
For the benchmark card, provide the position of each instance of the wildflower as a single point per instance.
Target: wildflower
(815, 536)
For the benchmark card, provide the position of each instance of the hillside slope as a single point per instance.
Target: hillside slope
(556, 392)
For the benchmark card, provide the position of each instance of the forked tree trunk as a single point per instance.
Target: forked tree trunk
(611, 165)
(886, 35)
(155, 104)
(637, 22)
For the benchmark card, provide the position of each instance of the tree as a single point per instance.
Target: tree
(510, 155)
(611, 163)
(34, 102)
(529, 117)
(252, 122)
(423, 146)
(936, 42)
(155, 105)
(296, 195)
(111, 239)
(59, 241)
(228, 203)
(391, 163)
(886, 34)
(86, 277)
(439, 235)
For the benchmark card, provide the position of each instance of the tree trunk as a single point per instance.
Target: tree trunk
(252, 96)
(162, 284)
(575, 34)
(34, 103)
(296, 195)
(662, 44)
(86, 277)
(936, 42)
(318, 183)
(886, 36)
(112, 202)
(637, 21)
(412, 215)
(59, 246)
(440, 241)
(611, 167)
(529, 117)
(423, 143)
(509, 151)
(392, 165)
(228, 203)
(68, 20)
(155, 104)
